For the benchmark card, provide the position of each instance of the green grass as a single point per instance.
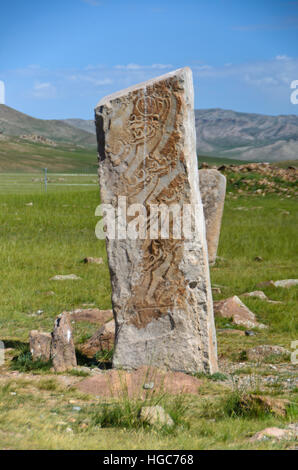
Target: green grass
(52, 236)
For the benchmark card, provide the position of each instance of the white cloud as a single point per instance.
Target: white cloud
(95, 81)
(44, 90)
(143, 67)
(282, 57)
(278, 72)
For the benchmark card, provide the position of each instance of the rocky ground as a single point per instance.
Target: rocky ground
(259, 179)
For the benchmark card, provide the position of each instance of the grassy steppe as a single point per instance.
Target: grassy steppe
(52, 236)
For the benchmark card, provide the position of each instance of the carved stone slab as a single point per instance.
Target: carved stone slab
(213, 192)
(161, 292)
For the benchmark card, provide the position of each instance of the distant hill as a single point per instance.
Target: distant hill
(14, 123)
(84, 124)
(244, 136)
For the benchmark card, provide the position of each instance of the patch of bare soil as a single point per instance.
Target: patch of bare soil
(139, 383)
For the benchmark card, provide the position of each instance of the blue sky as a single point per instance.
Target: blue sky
(58, 58)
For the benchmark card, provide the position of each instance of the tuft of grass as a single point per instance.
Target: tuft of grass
(218, 376)
(104, 355)
(23, 362)
(79, 373)
(125, 413)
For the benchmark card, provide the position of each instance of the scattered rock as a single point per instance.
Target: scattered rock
(216, 290)
(276, 406)
(256, 293)
(40, 345)
(29, 204)
(249, 333)
(275, 433)
(236, 310)
(102, 340)
(91, 315)
(262, 352)
(49, 293)
(39, 139)
(119, 383)
(92, 260)
(265, 284)
(286, 283)
(65, 277)
(148, 386)
(267, 404)
(156, 416)
(62, 347)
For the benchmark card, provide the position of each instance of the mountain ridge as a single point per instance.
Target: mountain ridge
(220, 132)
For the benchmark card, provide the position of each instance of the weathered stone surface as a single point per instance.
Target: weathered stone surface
(213, 191)
(91, 315)
(40, 345)
(62, 347)
(102, 340)
(156, 416)
(235, 309)
(121, 383)
(161, 292)
(264, 351)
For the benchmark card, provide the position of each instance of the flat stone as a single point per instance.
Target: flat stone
(62, 347)
(235, 309)
(266, 350)
(91, 315)
(161, 291)
(91, 260)
(213, 192)
(121, 383)
(286, 283)
(65, 277)
(273, 405)
(102, 340)
(276, 433)
(256, 293)
(40, 345)
(156, 416)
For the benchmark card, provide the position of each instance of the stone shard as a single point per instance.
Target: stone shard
(101, 341)
(40, 345)
(213, 191)
(62, 347)
(236, 310)
(161, 292)
(262, 352)
(156, 416)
